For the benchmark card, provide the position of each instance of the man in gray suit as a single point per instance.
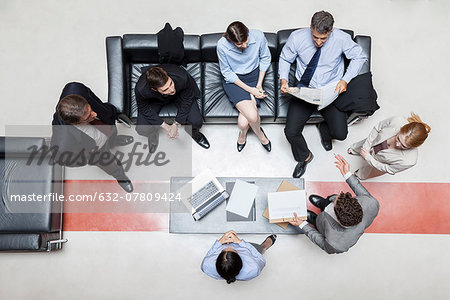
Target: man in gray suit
(343, 218)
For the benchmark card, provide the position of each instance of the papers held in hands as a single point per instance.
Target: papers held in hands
(282, 205)
(313, 96)
(242, 198)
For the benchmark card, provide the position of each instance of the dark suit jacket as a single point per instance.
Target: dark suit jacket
(170, 45)
(74, 146)
(360, 96)
(148, 101)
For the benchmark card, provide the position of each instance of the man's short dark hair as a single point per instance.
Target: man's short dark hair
(348, 210)
(71, 108)
(322, 22)
(156, 77)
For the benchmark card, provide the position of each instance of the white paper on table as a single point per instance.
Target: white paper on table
(242, 197)
(283, 204)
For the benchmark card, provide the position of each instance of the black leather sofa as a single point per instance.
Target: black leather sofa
(127, 55)
(29, 225)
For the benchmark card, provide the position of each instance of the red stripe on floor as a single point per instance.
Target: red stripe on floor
(408, 208)
(103, 214)
(116, 222)
(417, 208)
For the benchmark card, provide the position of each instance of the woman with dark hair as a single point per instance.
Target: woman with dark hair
(244, 58)
(391, 146)
(232, 259)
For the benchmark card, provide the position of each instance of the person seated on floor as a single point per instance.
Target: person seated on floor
(343, 218)
(232, 259)
(319, 53)
(89, 134)
(159, 86)
(244, 58)
(391, 146)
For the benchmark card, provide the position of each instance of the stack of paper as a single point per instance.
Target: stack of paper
(284, 186)
(282, 205)
(242, 198)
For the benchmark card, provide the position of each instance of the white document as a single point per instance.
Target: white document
(282, 205)
(310, 95)
(322, 97)
(328, 94)
(242, 197)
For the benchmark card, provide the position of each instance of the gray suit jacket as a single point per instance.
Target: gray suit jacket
(331, 236)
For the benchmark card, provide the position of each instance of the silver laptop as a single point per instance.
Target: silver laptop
(206, 194)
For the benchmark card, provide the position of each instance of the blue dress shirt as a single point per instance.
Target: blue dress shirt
(233, 61)
(252, 261)
(300, 47)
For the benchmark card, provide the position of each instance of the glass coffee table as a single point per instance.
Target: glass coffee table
(218, 221)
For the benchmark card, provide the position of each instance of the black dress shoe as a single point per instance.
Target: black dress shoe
(267, 146)
(123, 118)
(153, 143)
(241, 146)
(312, 218)
(201, 140)
(325, 138)
(319, 202)
(122, 140)
(300, 168)
(126, 184)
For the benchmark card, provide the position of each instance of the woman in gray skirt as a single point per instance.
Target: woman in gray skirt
(244, 58)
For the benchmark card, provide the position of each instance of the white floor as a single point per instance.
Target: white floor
(48, 43)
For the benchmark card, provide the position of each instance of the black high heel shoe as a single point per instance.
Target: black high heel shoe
(267, 146)
(241, 146)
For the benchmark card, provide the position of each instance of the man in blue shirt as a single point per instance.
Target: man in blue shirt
(318, 52)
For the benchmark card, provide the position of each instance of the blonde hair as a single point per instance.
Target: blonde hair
(416, 131)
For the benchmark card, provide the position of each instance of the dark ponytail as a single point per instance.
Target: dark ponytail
(228, 265)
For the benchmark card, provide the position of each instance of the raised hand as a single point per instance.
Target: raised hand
(342, 164)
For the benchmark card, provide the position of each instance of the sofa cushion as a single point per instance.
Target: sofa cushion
(19, 181)
(216, 103)
(19, 146)
(25, 241)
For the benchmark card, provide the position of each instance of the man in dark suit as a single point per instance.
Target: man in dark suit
(89, 133)
(343, 218)
(162, 85)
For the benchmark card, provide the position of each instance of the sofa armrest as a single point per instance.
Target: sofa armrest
(116, 73)
(365, 42)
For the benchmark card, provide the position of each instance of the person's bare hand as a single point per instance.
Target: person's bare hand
(341, 87)
(284, 86)
(260, 89)
(173, 131)
(257, 93)
(364, 153)
(342, 164)
(235, 239)
(228, 237)
(297, 221)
